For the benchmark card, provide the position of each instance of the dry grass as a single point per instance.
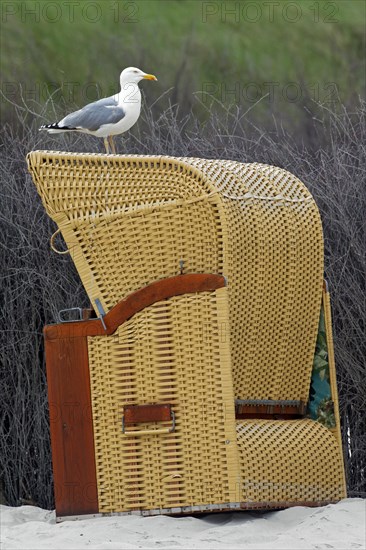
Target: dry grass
(330, 158)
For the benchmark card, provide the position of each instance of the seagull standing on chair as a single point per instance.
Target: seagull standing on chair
(110, 116)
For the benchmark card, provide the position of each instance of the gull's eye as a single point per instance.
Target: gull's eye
(135, 71)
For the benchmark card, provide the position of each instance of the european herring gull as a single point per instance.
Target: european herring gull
(109, 116)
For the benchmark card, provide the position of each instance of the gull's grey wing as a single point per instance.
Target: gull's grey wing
(94, 115)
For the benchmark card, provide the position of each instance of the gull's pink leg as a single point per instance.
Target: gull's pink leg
(111, 143)
(106, 145)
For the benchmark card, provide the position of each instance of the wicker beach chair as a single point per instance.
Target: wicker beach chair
(197, 387)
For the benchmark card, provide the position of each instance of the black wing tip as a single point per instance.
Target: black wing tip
(55, 126)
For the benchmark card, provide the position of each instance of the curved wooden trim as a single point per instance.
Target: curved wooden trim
(135, 302)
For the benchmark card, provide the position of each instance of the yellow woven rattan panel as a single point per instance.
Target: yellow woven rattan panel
(130, 220)
(156, 240)
(175, 351)
(274, 262)
(289, 461)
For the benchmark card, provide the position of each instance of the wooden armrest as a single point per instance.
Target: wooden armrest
(135, 302)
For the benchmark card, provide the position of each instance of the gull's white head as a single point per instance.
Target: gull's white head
(132, 74)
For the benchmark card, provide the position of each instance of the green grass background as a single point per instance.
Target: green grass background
(44, 47)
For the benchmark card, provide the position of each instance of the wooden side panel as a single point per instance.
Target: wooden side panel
(71, 426)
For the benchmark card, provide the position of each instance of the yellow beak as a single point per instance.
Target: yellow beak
(150, 77)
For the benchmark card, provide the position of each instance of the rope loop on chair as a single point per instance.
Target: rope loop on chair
(52, 240)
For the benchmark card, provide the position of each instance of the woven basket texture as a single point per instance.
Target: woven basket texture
(129, 221)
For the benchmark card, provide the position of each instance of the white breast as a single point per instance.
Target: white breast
(129, 99)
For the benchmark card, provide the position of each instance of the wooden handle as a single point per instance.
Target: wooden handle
(135, 414)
